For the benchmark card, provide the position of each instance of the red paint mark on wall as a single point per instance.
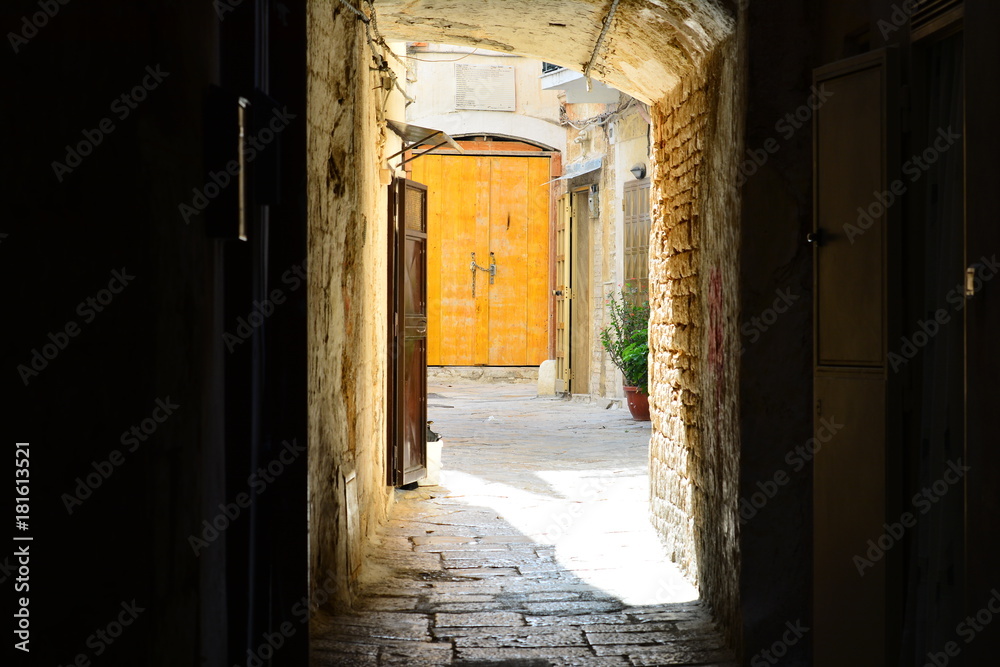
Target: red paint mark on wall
(716, 334)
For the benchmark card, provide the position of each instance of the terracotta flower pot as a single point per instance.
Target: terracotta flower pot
(638, 404)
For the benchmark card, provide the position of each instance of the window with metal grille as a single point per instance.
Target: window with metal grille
(637, 227)
(415, 218)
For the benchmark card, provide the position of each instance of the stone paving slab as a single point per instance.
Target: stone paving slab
(526, 639)
(498, 654)
(480, 631)
(496, 619)
(580, 619)
(525, 558)
(668, 637)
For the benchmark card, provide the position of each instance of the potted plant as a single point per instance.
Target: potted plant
(626, 339)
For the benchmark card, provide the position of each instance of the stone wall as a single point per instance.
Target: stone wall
(694, 344)
(347, 287)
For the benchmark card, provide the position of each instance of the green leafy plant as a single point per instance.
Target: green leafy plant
(626, 337)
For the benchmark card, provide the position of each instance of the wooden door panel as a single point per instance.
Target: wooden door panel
(849, 509)
(481, 323)
(457, 227)
(564, 231)
(509, 245)
(407, 345)
(538, 262)
(414, 279)
(849, 267)
(414, 427)
(428, 172)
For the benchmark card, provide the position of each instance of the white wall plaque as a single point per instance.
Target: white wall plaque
(484, 87)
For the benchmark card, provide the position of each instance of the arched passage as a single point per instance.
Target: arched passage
(683, 57)
(650, 46)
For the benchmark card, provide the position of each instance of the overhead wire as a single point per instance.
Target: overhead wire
(355, 10)
(454, 60)
(600, 119)
(378, 43)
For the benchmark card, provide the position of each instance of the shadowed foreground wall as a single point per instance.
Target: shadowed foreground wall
(347, 303)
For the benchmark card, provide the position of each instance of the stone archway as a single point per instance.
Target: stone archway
(684, 57)
(649, 48)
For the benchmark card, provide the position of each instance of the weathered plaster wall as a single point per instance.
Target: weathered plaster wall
(432, 81)
(347, 287)
(694, 360)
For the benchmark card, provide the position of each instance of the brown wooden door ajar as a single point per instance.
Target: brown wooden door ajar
(407, 363)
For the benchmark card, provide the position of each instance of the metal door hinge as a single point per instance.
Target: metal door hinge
(973, 283)
(567, 374)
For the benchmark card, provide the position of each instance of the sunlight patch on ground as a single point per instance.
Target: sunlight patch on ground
(597, 520)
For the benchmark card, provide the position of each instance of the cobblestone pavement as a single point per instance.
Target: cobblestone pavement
(536, 551)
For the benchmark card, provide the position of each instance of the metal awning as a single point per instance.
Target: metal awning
(579, 168)
(414, 135)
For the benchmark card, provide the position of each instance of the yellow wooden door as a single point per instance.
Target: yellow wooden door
(497, 208)
(563, 293)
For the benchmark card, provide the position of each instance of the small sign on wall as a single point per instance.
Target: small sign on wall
(484, 87)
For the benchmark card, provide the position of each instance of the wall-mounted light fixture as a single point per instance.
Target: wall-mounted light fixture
(638, 170)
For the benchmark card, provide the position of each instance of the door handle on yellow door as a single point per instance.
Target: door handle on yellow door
(493, 268)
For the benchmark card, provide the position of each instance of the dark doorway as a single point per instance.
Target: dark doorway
(934, 431)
